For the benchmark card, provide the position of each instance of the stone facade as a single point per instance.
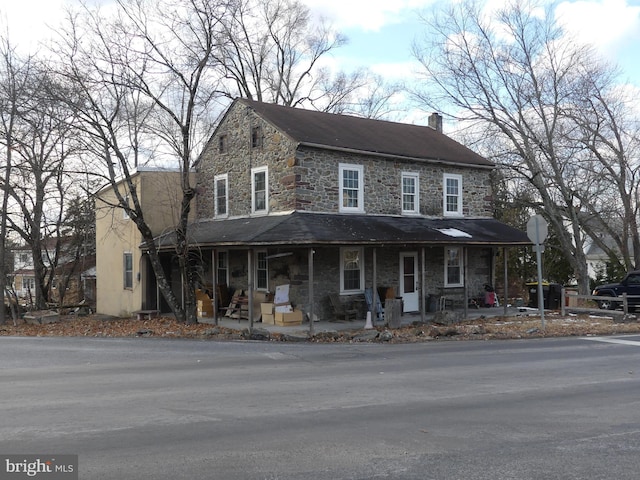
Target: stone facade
(308, 179)
(305, 178)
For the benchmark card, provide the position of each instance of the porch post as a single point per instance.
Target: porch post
(466, 282)
(214, 292)
(423, 286)
(506, 281)
(374, 287)
(250, 286)
(311, 296)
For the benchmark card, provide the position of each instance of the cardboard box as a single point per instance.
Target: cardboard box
(285, 319)
(205, 308)
(266, 308)
(268, 319)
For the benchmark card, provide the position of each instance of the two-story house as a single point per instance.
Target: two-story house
(332, 204)
(125, 280)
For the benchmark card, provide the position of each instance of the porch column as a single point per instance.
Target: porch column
(311, 296)
(250, 285)
(423, 286)
(374, 287)
(506, 281)
(466, 282)
(214, 292)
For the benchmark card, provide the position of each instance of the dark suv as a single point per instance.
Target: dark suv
(630, 285)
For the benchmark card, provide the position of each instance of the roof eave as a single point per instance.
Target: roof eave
(439, 161)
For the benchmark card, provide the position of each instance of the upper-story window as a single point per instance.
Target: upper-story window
(221, 188)
(125, 213)
(452, 190)
(259, 190)
(351, 188)
(256, 136)
(222, 144)
(410, 193)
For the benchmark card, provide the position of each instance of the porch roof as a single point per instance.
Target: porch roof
(305, 228)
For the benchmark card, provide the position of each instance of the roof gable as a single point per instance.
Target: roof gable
(344, 132)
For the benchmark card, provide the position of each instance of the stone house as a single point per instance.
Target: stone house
(333, 205)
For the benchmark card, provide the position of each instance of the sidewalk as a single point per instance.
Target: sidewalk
(330, 326)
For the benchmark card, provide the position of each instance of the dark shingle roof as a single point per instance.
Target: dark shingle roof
(305, 228)
(328, 130)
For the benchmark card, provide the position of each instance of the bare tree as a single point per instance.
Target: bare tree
(270, 51)
(33, 133)
(143, 87)
(513, 75)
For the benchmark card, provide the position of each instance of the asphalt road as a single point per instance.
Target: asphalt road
(173, 409)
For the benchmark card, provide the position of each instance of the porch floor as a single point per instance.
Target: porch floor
(328, 326)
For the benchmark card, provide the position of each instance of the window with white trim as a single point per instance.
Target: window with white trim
(259, 190)
(351, 270)
(127, 260)
(221, 198)
(453, 267)
(410, 193)
(262, 270)
(351, 188)
(452, 190)
(222, 266)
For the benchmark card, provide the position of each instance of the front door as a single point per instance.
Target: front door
(409, 281)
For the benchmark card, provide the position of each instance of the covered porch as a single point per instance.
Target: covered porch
(429, 264)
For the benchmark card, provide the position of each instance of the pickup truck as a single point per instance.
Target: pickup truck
(630, 285)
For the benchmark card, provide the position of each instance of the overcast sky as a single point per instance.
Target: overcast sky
(380, 32)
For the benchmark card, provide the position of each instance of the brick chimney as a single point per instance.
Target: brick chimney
(435, 121)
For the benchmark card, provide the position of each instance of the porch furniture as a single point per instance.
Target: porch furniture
(341, 310)
(445, 303)
(146, 314)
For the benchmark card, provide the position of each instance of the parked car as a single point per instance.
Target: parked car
(630, 285)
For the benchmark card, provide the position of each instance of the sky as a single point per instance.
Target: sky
(381, 32)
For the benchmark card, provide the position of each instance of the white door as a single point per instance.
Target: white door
(409, 281)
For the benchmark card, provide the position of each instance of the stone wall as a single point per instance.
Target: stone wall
(307, 178)
(293, 270)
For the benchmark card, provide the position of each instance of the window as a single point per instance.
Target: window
(410, 192)
(259, 190)
(125, 214)
(452, 190)
(351, 188)
(128, 270)
(351, 270)
(222, 144)
(256, 137)
(29, 283)
(262, 270)
(453, 273)
(220, 187)
(223, 268)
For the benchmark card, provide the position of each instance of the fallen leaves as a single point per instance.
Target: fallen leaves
(480, 329)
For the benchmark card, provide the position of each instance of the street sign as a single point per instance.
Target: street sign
(537, 232)
(537, 229)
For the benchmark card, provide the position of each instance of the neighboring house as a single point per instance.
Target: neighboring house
(125, 280)
(23, 275)
(77, 275)
(332, 204)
